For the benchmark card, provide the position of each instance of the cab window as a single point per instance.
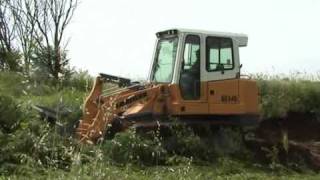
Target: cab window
(219, 54)
(191, 52)
(190, 69)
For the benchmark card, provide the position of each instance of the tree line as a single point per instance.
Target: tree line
(32, 36)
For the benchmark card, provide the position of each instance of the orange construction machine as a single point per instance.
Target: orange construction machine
(194, 78)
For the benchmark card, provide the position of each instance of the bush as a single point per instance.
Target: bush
(278, 97)
(179, 145)
(34, 145)
(10, 114)
(80, 80)
(129, 147)
(183, 141)
(10, 61)
(11, 84)
(205, 143)
(28, 144)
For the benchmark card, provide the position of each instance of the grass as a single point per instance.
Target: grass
(31, 149)
(226, 169)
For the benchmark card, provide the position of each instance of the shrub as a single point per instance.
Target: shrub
(205, 143)
(79, 80)
(35, 145)
(10, 114)
(26, 142)
(184, 142)
(11, 84)
(278, 97)
(10, 61)
(179, 145)
(130, 147)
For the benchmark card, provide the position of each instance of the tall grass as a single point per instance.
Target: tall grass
(296, 92)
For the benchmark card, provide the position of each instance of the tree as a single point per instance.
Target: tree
(24, 15)
(9, 57)
(52, 19)
(6, 28)
(43, 59)
(40, 30)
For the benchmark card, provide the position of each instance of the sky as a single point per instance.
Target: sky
(118, 37)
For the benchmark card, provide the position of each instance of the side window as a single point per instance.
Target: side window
(219, 54)
(191, 55)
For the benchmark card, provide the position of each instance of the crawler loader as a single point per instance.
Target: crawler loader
(194, 78)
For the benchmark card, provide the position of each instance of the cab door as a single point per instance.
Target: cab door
(192, 90)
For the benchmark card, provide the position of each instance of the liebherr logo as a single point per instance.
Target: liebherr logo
(131, 99)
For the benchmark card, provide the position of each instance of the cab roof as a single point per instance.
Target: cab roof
(242, 39)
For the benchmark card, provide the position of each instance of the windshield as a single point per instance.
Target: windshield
(164, 60)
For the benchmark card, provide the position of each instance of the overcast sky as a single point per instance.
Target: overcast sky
(117, 37)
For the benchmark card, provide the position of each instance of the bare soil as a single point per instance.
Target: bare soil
(300, 131)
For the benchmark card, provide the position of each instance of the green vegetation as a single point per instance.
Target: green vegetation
(297, 92)
(31, 148)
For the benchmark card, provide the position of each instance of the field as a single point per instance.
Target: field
(33, 149)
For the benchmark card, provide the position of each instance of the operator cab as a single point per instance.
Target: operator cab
(191, 57)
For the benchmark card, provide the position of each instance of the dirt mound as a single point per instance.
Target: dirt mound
(296, 137)
(301, 127)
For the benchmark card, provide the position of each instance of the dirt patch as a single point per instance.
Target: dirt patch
(301, 127)
(299, 131)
